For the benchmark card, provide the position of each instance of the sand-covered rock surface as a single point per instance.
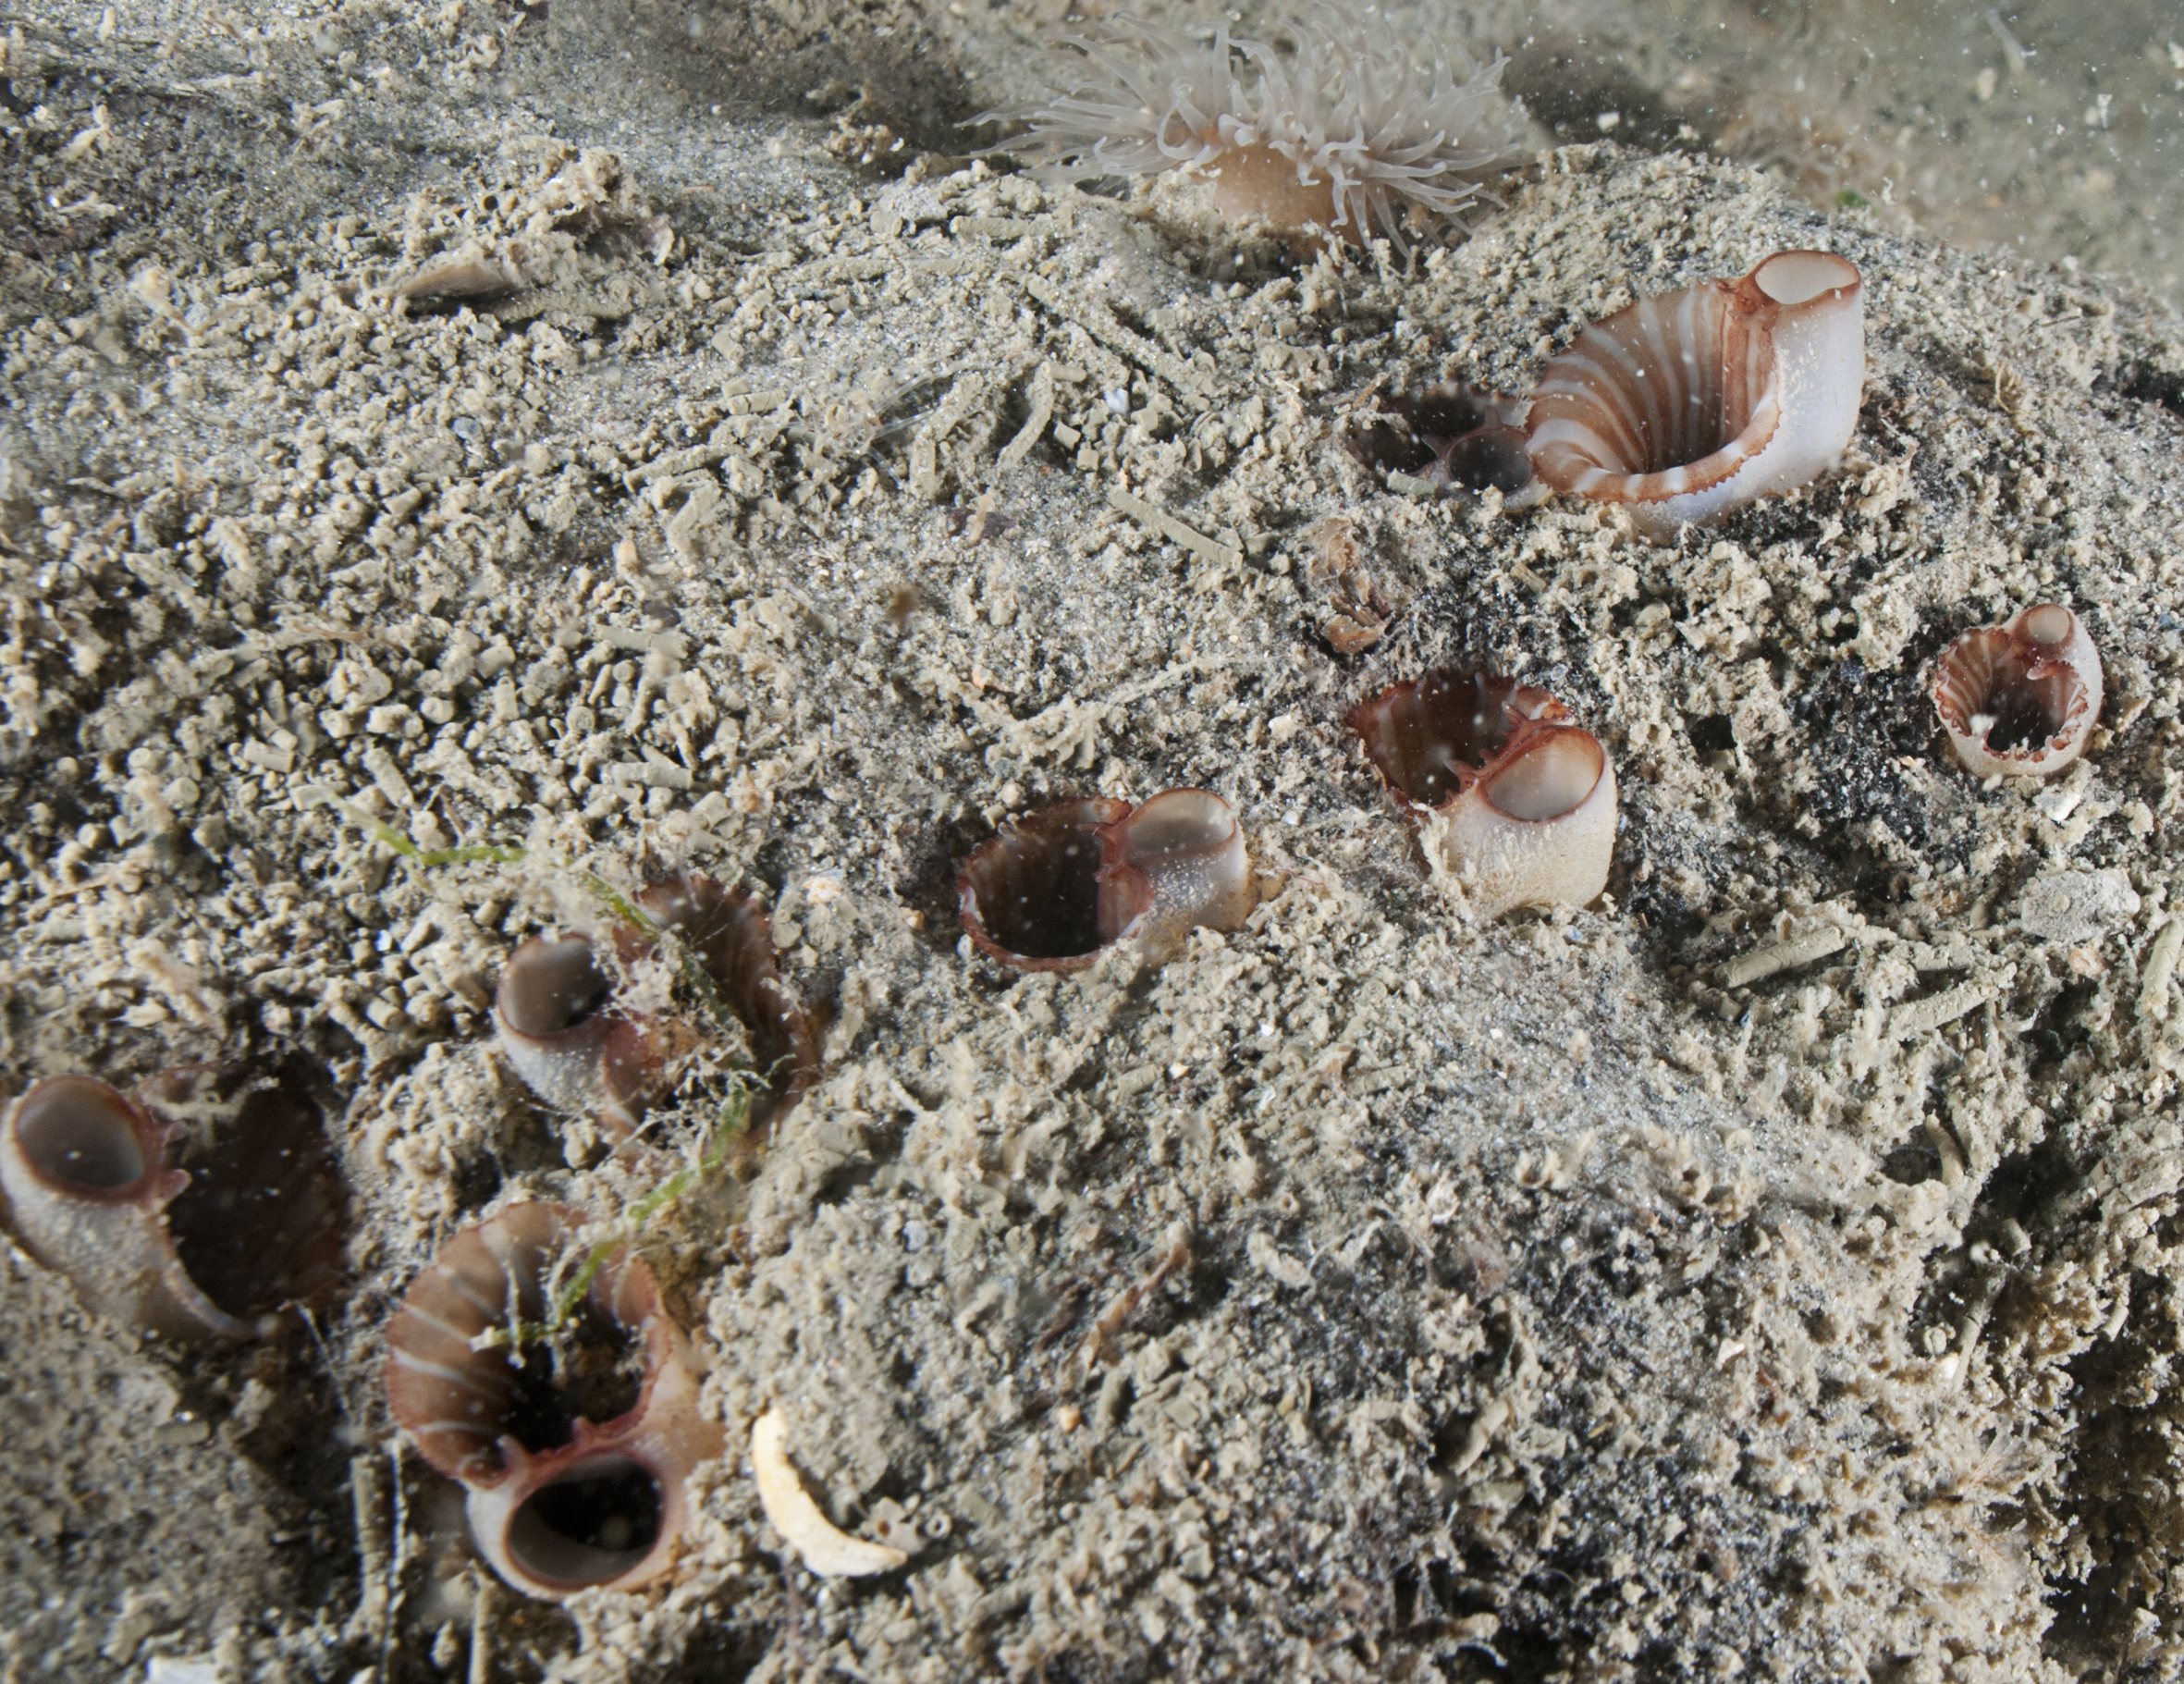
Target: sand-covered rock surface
(641, 439)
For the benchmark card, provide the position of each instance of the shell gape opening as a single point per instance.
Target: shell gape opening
(1036, 896)
(2003, 691)
(1685, 405)
(590, 1527)
(76, 1133)
(2027, 709)
(1550, 777)
(557, 986)
(1044, 902)
(1063, 886)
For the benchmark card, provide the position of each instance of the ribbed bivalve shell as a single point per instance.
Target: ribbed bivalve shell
(221, 1251)
(1518, 802)
(1689, 405)
(2020, 700)
(559, 1025)
(557, 1502)
(1061, 886)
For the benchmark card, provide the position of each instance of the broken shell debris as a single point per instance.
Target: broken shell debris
(566, 1407)
(822, 1546)
(222, 1250)
(2020, 700)
(1056, 889)
(1515, 800)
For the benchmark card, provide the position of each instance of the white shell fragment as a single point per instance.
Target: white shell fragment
(2075, 906)
(823, 1547)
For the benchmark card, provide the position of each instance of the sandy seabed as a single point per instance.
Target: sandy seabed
(1773, 1270)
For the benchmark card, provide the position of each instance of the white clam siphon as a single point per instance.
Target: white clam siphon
(2020, 699)
(1687, 405)
(1514, 800)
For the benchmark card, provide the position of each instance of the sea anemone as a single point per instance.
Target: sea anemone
(1342, 137)
(1692, 403)
(2020, 700)
(1059, 888)
(1518, 803)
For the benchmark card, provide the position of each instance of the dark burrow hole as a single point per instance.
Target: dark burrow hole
(589, 1528)
(1912, 1163)
(2022, 715)
(1417, 734)
(1048, 906)
(1711, 733)
(592, 1369)
(2023, 1186)
(1449, 433)
(1036, 890)
(2152, 385)
(2060, 1028)
(265, 1220)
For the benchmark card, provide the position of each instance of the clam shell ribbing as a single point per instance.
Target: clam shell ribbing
(1688, 404)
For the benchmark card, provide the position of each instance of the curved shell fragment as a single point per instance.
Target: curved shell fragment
(824, 1547)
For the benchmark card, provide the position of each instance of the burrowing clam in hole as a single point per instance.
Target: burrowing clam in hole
(571, 1417)
(1687, 405)
(1058, 888)
(559, 1026)
(226, 1248)
(1516, 801)
(2020, 699)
